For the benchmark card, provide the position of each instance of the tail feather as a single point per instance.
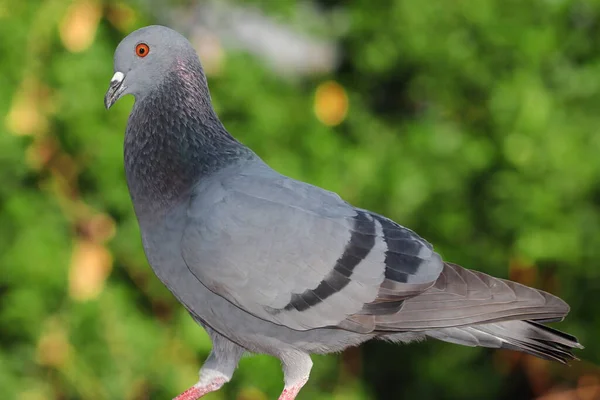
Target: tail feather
(474, 309)
(527, 336)
(535, 339)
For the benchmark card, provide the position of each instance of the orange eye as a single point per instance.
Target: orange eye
(142, 50)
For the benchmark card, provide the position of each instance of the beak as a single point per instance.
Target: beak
(115, 90)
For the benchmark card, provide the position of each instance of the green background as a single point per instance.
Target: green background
(475, 123)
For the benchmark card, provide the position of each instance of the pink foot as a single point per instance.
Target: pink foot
(290, 393)
(197, 391)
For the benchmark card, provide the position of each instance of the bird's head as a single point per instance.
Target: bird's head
(144, 58)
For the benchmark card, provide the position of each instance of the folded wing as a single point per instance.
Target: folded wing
(299, 256)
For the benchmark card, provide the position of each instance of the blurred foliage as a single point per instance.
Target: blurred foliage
(473, 122)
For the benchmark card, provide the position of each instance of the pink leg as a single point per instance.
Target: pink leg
(296, 369)
(290, 393)
(218, 368)
(200, 389)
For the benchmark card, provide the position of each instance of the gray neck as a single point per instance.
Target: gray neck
(173, 140)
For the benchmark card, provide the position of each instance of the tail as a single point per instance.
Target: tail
(530, 337)
(474, 309)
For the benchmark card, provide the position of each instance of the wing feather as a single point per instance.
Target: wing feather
(297, 255)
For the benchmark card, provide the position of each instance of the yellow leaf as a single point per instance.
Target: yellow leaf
(331, 103)
(53, 348)
(91, 264)
(26, 116)
(78, 26)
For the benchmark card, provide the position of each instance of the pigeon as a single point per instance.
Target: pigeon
(271, 265)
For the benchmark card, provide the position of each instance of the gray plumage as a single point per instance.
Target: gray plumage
(272, 265)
